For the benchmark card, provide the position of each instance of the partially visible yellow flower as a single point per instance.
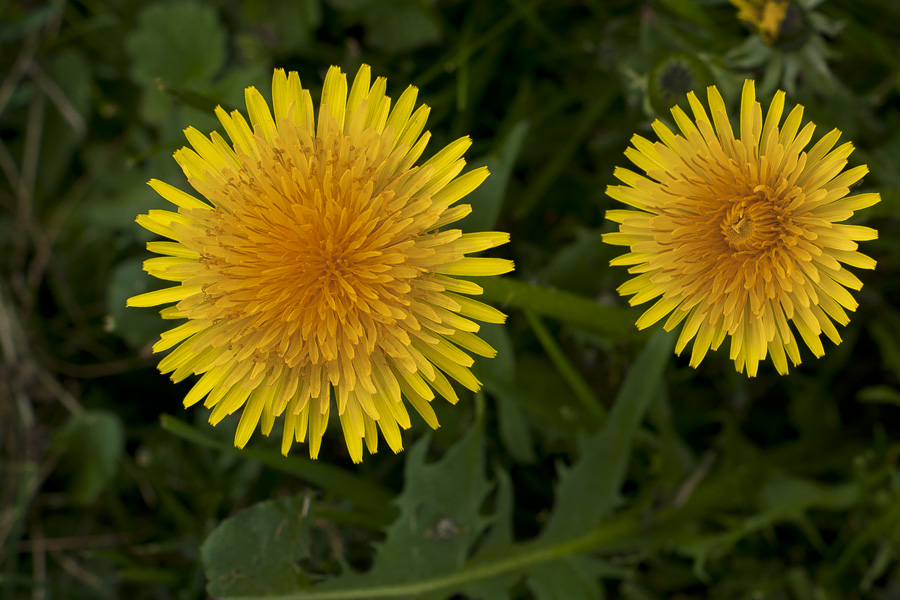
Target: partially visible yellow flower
(741, 236)
(765, 15)
(319, 260)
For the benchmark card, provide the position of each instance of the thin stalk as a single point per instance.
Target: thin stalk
(569, 373)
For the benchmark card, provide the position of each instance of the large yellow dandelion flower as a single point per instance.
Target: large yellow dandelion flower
(319, 260)
(740, 236)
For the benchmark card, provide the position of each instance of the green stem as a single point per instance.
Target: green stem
(565, 367)
(613, 322)
(614, 533)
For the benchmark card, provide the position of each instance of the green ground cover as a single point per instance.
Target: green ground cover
(594, 463)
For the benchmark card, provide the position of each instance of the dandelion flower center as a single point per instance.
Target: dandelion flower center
(738, 228)
(317, 249)
(756, 224)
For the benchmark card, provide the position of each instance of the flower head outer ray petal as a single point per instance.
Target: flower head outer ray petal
(741, 237)
(312, 266)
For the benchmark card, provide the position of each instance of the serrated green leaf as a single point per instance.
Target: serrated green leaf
(589, 491)
(90, 445)
(500, 535)
(427, 552)
(257, 550)
(424, 549)
(440, 518)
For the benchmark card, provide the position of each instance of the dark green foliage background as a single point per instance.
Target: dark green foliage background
(693, 484)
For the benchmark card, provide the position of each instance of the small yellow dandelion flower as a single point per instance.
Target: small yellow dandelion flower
(740, 236)
(318, 260)
(765, 15)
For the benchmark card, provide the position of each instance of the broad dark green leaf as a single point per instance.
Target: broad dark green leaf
(258, 550)
(536, 380)
(181, 43)
(514, 430)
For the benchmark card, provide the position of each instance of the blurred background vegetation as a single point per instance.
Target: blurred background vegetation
(728, 487)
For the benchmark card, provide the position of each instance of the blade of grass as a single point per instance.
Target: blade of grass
(594, 108)
(12, 520)
(457, 57)
(867, 536)
(367, 495)
(529, 16)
